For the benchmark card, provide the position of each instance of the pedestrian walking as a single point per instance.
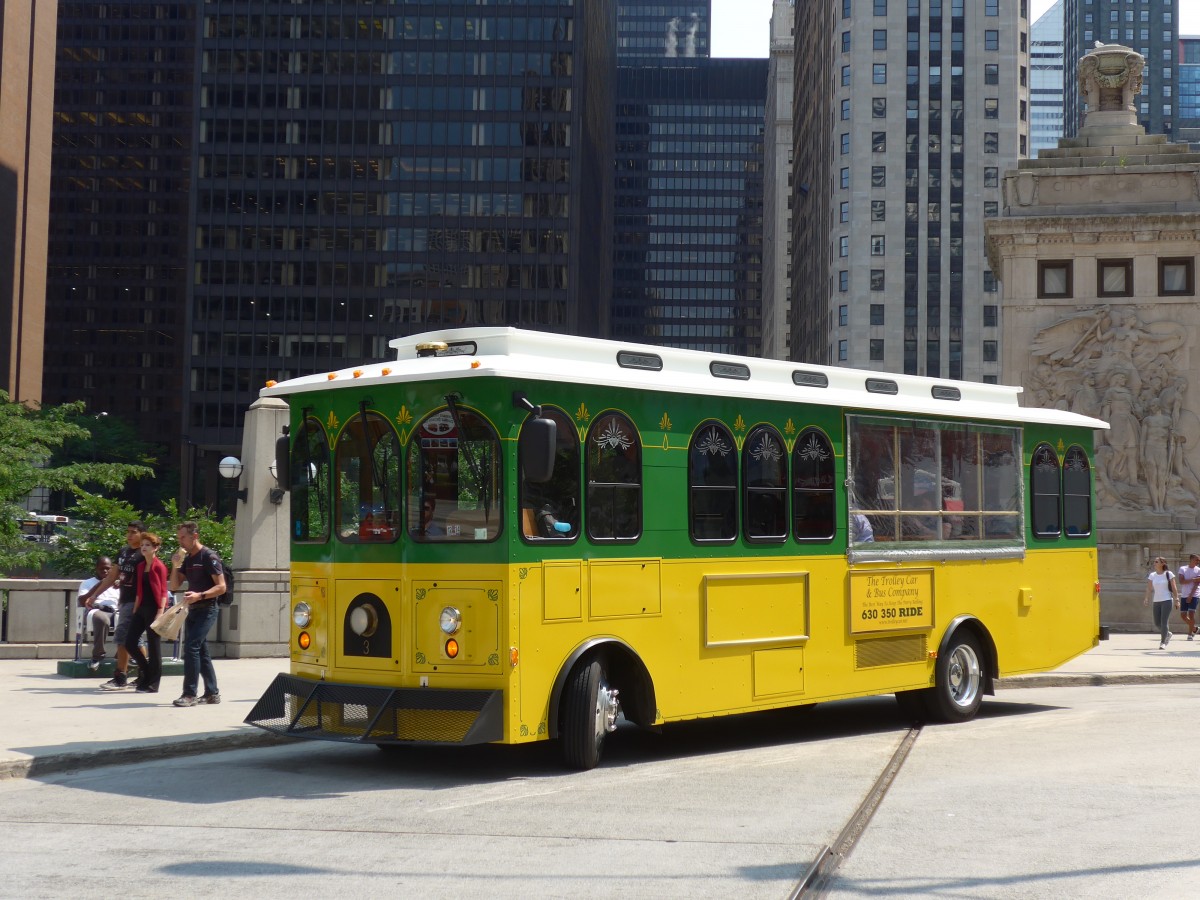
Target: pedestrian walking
(1164, 593)
(123, 572)
(151, 582)
(1189, 594)
(204, 573)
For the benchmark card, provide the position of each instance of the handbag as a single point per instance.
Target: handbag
(170, 621)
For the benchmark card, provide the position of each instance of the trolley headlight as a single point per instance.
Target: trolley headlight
(363, 620)
(451, 620)
(302, 614)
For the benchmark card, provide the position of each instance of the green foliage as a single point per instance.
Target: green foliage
(29, 436)
(98, 529)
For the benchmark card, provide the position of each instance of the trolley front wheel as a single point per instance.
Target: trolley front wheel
(590, 709)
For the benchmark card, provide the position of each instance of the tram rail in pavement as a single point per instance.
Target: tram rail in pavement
(55, 723)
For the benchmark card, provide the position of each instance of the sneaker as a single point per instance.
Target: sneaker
(116, 684)
(147, 690)
(1191, 637)
(186, 700)
(94, 665)
(214, 697)
(1162, 646)
(1168, 640)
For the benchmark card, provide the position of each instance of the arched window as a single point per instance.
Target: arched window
(712, 484)
(614, 479)
(1077, 493)
(764, 485)
(812, 487)
(455, 478)
(368, 480)
(1046, 480)
(550, 509)
(310, 484)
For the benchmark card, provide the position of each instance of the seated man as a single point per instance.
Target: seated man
(101, 611)
(923, 527)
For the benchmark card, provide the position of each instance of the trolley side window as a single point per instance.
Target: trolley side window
(614, 479)
(454, 479)
(712, 484)
(550, 509)
(812, 487)
(368, 481)
(1046, 478)
(1077, 493)
(310, 484)
(764, 472)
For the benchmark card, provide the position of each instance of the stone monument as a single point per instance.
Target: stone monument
(1096, 249)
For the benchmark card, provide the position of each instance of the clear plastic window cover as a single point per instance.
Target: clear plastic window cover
(978, 513)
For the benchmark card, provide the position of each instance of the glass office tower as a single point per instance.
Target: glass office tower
(364, 171)
(689, 195)
(117, 261)
(658, 29)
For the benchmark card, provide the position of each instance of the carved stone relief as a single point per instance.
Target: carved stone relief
(1108, 363)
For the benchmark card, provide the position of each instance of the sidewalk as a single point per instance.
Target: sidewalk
(53, 723)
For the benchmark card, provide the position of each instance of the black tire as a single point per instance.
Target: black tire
(959, 678)
(914, 705)
(589, 709)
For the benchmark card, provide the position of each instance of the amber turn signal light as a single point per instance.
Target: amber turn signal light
(304, 640)
(452, 648)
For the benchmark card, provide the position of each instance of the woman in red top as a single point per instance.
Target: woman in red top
(151, 581)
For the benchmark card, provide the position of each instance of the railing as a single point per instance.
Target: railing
(38, 610)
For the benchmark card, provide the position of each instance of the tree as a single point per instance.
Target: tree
(113, 440)
(29, 435)
(98, 529)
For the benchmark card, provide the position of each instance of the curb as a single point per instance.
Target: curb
(53, 763)
(1096, 679)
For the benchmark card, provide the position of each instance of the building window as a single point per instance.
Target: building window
(990, 351)
(843, 315)
(989, 282)
(845, 178)
(879, 39)
(844, 280)
(991, 142)
(879, 142)
(877, 281)
(846, 143)
(845, 42)
(1024, 110)
(991, 108)
(876, 348)
(877, 313)
(843, 350)
(1114, 277)
(991, 316)
(844, 211)
(991, 39)
(845, 76)
(877, 245)
(1054, 278)
(845, 110)
(991, 209)
(879, 108)
(1022, 145)
(991, 177)
(878, 176)
(991, 7)
(845, 9)
(1176, 277)
(991, 73)
(878, 210)
(879, 73)
(880, 7)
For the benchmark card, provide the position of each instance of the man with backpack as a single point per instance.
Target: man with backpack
(204, 573)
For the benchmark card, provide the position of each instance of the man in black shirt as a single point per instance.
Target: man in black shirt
(124, 569)
(205, 575)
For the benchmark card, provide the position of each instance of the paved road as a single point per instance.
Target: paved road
(1050, 793)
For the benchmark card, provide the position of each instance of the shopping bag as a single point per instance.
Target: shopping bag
(170, 621)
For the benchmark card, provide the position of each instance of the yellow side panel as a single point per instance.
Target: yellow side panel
(755, 608)
(624, 587)
(778, 671)
(562, 585)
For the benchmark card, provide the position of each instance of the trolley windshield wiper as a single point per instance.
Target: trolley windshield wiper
(378, 483)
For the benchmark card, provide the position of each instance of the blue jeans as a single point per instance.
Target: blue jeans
(196, 661)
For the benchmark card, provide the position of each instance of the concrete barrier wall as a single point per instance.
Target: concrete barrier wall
(39, 609)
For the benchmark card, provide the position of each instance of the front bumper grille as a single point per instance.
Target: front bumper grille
(366, 714)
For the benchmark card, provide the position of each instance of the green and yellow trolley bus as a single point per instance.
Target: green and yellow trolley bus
(509, 536)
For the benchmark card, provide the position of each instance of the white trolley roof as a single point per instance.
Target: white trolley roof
(533, 356)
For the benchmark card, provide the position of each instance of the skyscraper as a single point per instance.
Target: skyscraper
(362, 173)
(659, 30)
(777, 180)
(1189, 88)
(891, 185)
(1046, 80)
(689, 187)
(1149, 27)
(117, 265)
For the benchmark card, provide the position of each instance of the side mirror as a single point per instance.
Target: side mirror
(536, 447)
(283, 463)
